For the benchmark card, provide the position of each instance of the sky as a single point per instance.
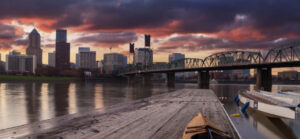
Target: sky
(196, 28)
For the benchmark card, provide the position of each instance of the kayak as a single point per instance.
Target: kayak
(200, 127)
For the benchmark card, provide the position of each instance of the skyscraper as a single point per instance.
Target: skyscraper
(61, 35)
(62, 51)
(147, 40)
(34, 46)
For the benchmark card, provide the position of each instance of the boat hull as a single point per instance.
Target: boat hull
(270, 109)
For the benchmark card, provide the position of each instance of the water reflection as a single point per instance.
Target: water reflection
(22, 103)
(61, 97)
(32, 96)
(98, 99)
(269, 127)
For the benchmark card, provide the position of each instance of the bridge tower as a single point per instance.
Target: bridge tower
(203, 79)
(264, 79)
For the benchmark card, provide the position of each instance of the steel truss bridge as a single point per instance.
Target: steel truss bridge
(287, 55)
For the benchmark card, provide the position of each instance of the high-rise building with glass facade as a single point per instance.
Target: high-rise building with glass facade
(34, 46)
(61, 35)
(62, 51)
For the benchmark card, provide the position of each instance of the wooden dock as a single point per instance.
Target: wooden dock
(160, 116)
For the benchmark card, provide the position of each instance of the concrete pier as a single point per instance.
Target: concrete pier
(147, 78)
(264, 79)
(203, 79)
(170, 79)
(161, 116)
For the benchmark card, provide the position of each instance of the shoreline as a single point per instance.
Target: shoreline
(11, 78)
(36, 78)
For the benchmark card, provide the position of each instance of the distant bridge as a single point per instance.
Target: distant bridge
(287, 55)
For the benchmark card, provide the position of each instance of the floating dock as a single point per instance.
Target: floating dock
(160, 116)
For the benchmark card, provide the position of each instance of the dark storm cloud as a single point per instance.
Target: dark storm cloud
(7, 32)
(197, 43)
(271, 19)
(21, 42)
(109, 39)
(188, 16)
(8, 36)
(34, 8)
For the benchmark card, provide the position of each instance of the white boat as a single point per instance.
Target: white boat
(289, 99)
(289, 93)
(272, 107)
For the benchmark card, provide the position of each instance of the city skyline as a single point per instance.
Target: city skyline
(187, 27)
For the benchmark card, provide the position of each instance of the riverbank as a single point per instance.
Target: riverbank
(36, 78)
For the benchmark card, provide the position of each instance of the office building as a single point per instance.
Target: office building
(62, 56)
(113, 62)
(61, 35)
(175, 57)
(87, 60)
(62, 48)
(34, 46)
(2, 64)
(72, 65)
(237, 74)
(143, 56)
(51, 59)
(243, 73)
(81, 49)
(288, 75)
(16, 62)
(100, 65)
(176, 62)
(147, 40)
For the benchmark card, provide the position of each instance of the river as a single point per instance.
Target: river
(22, 103)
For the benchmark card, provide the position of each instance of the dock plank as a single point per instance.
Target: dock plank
(159, 116)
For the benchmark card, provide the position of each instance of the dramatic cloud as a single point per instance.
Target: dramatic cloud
(234, 24)
(7, 32)
(109, 39)
(9, 36)
(199, 43)
(180, 16)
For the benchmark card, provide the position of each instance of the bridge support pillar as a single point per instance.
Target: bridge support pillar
(131, 79)
(264, 79)
(203, 79)
(170, 79)
(147, 78)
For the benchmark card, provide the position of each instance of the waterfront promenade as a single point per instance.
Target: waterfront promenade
(159, 116)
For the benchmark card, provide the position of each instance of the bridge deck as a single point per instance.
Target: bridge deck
(160, 116)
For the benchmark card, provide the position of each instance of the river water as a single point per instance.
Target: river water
(22, 103)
